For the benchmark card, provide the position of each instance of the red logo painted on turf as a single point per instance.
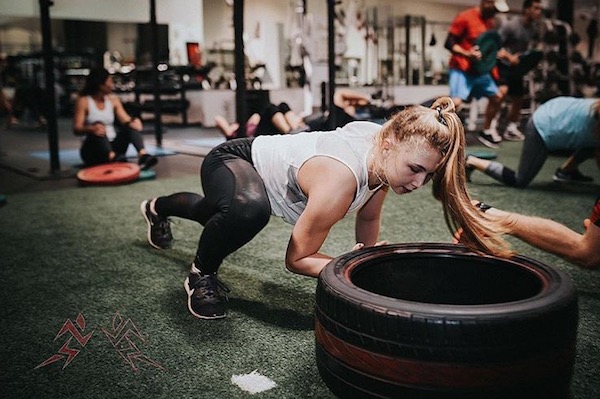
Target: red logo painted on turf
(124, 336)
(66, 352)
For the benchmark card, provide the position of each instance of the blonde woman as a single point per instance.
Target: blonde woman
(312, 181)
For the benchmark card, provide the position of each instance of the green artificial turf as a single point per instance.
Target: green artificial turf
(84, 251)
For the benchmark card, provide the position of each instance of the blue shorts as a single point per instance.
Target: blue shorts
(466, 86)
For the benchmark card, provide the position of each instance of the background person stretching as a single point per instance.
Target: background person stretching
(95, 112)
(280, 119)
(273, 119)
(563, 123)
(312, 181)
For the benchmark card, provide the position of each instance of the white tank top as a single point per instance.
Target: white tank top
(278, 159)
(106, 116)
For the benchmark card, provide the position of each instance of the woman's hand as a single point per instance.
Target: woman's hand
(360, 245)
(98, 129)
(136, 124)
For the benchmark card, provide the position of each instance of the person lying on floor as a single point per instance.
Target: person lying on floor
(273, 119)
(94, 119)
(280, 119)
(313, 180)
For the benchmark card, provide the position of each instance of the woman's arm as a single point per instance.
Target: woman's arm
(349, 100)
(327, 203)
(79, 126)
(368, 219)
(123, 116)
(452, 44)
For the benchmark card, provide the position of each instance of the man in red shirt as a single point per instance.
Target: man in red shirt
(473, 58)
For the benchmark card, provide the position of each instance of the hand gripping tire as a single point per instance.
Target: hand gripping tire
(432, 320)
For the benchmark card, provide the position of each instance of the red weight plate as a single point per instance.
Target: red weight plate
(109, 174)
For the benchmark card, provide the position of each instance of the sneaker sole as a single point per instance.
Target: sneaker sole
(149, 223)
(149, 164)
(514, 138)
(487, 143)
(569, 181)
(189, 302)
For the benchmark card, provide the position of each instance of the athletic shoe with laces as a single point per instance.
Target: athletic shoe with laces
(576, 176)
(159, 229)
(513, 133)
(489, 138)
(147, 161)
(206, 295)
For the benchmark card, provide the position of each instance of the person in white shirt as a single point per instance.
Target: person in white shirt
(312, 180)
(94, 118)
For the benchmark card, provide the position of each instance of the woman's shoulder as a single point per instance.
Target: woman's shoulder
(366, 128)
(82, 100)
(113, 98)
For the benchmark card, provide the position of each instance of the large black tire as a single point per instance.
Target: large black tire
(434, 320)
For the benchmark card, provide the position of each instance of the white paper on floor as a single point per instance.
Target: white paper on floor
(253, 382)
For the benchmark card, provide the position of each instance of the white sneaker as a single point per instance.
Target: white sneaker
(513, 133)
(494, 124)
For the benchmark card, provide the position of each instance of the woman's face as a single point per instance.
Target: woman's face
(408, 166)
(108, 85)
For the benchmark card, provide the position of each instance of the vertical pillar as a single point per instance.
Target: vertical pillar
(49, 92)
(331, 58)
(240, 67)
(408, 69)
(158, 128)
(565, 11)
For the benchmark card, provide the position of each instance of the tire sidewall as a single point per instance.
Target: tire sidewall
(557, 288)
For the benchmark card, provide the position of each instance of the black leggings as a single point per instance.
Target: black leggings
(95, 149)
(533, 157)
(235, 206)
(265, 126)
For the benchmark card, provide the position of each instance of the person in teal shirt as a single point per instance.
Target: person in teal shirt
(560, 124)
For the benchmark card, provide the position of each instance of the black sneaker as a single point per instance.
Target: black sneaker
(576, 176)
(159, 229)
(147, 161)
(206, 295)
(488, 140)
